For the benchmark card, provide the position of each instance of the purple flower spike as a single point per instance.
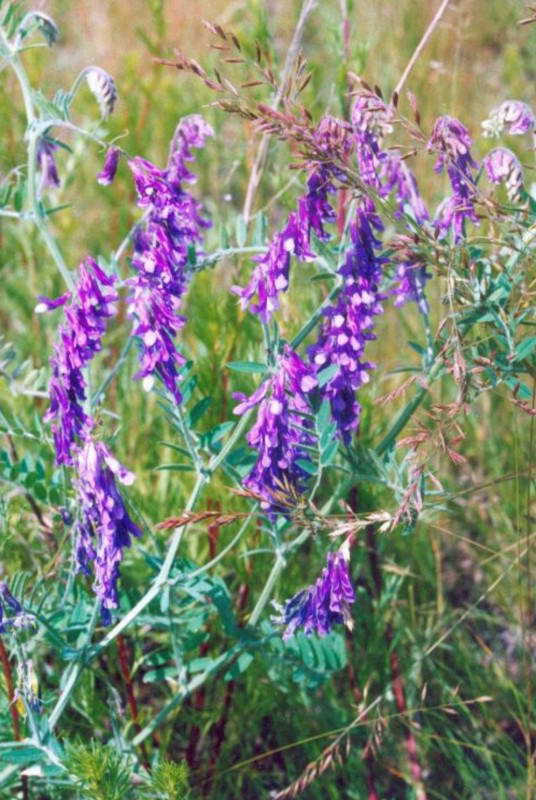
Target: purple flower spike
(513, 115)
(104, 528)
(47, 164)
(502, 166)
(79, 338)
(411, 275)
(111, 162)
(348, 323)
(271, 275)
(162, 251)
(324, 604)
(280, 433)
(451, 141)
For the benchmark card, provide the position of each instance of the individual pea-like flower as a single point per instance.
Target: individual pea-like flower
(349, 320)
(502, 166)
(397, 177)
(79, 337)
(104, 527)
(410, 275)
(324, 604)
(281, 432)
(103, 88)
(372, 121)
(19, 618)
(163, 250)
(46, 164)
(513, 115)
(451, 141)
(109, 169)
(270, 277)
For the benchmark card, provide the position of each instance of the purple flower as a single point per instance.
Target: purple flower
(397, 177)
(371, 120)
(79, 338)
(19, 618)
(104, 526)
(271, 275)
(411, 275)
(451, 141)
(281, 433)
(111, 162)
(47, 164)
(502, 166)
(514, 115)
(324, 604)
(162, 252)
(348, 322)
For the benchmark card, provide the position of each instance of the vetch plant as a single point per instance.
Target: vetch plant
(314, 486)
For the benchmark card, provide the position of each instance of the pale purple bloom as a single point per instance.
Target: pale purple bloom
(104, 527)
(513, 115)
(281, 432)
(348, 322)
(46, 164)
(502, 166)
(111, 162)
(162, 251)
(324, 604)
(451, 141)
(398, 178)
(103, 87)
(79, 338)
(411, 275)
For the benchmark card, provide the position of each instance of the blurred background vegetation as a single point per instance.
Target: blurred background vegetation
(454, 593)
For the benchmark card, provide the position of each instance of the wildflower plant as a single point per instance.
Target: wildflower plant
(303, 446)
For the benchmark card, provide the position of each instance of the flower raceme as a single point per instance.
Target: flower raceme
(513, 115)
(348, 322)
(162, 251)
(86, 313)
(502, 166)
(452, 143)
(324, 604)
(281, 432)
(104, 527)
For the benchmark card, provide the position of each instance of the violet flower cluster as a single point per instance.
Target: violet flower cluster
(386, 172)
(281, 432)
(271, 275)
(451, 141)
(79, 338)
(324, 604)
(348, 322)
(104, 527)
(163, 249)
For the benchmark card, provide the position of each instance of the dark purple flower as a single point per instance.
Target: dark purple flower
(47, 164)
(371, 120)
(162, 252)
(451, 141)
(79, 338)
(348, 322)
(104, 526)
(324, 604)
(514, 115)
(281, 433)
(18, 618)
(111, 162)
(271, 275)
(502, 166)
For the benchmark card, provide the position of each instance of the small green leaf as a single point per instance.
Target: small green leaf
(307, 466)
(325, 375)
(241, 231)
(247, 366)
(174, 468)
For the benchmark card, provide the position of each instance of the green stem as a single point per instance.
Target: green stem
(310, 324)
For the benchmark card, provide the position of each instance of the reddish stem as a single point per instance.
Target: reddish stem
(124, 667)
(8, 675)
